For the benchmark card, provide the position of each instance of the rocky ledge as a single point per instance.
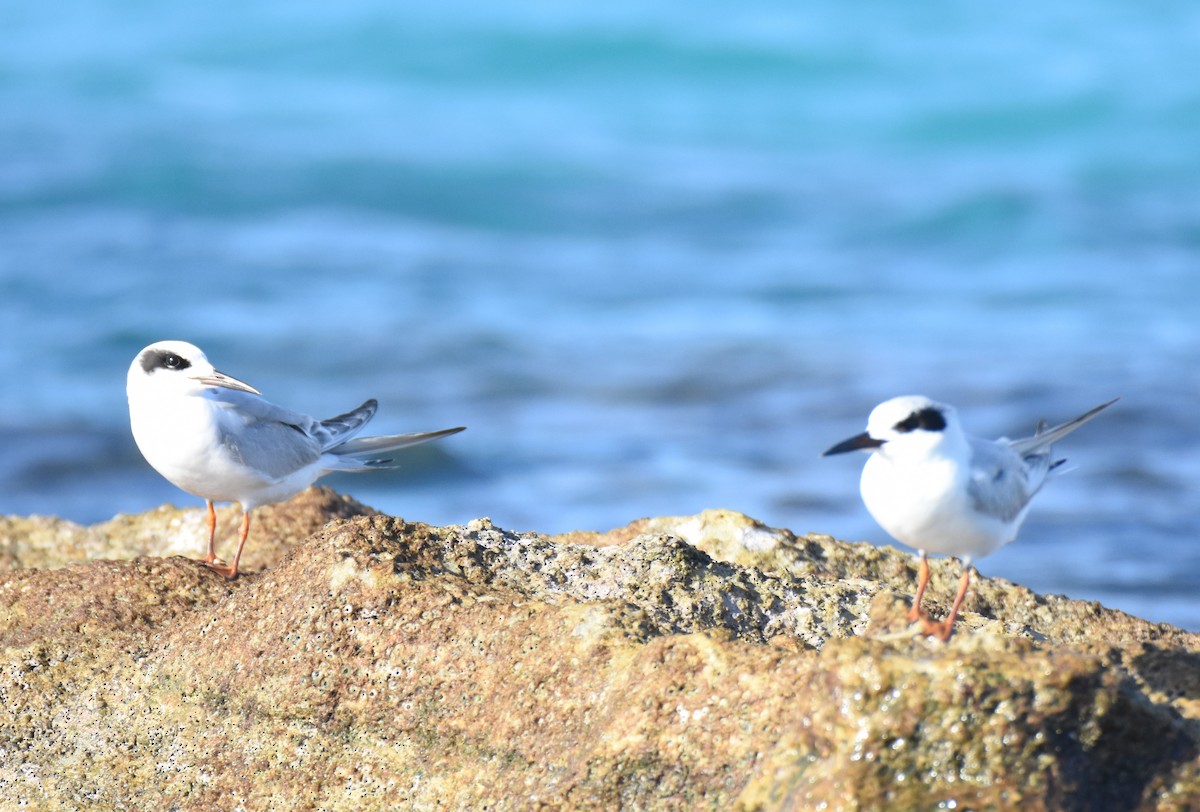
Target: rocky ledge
(703, 662)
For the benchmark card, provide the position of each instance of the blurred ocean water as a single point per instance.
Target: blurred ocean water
(657, 258)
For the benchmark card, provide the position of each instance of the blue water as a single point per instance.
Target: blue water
(656, 256)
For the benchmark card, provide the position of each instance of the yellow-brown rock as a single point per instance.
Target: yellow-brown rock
(701, 662)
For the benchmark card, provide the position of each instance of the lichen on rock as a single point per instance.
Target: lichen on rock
(703, 662)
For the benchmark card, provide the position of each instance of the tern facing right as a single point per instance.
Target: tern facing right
(936, 489)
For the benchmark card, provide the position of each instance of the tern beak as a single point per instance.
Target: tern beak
(859, 442)
(227, 381)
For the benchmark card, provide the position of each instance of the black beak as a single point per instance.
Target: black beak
(858, 442)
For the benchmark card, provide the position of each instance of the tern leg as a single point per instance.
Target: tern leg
(915, 613)
(963, 583)
(943, 630)
(211, 558)
(228, 571)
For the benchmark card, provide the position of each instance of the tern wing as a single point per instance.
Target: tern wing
(1006, 474)
(273, 450)
(337, 430)
(325, 433)
(278, 442)
(1001, 483)
(272, 441)
(250, 406)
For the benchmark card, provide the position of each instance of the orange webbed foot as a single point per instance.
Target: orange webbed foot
(223, 569)
(941, 629)
(915, 614)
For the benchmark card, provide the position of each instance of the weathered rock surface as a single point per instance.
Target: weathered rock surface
(702, 662)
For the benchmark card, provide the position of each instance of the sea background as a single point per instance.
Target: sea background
(657, 256)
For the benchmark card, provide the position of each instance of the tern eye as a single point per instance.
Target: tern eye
(928, 418)
(165, 359)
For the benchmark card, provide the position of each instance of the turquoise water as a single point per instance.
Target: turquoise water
(657, 259)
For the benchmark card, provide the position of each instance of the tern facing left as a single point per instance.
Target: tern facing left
(936, 489)
(218, 438)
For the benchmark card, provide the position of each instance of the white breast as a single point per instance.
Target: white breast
(178, 436)
(926, 507)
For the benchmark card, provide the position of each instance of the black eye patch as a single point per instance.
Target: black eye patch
(164, 359)
(928, 418)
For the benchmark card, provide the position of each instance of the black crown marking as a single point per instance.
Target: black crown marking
(929, 419)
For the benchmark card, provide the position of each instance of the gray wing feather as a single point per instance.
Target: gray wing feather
(275, 449)
(278, 441)
(1002, 483)
(1006, 474)
(337, 430)
(325, 433)
(256, 407)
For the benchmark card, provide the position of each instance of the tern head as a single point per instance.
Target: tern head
(179, 368)
(912, 425)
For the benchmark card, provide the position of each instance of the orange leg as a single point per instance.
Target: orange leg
(963, 583)
(228, 571)
(211, 558)
(915, 613)
(943, 630)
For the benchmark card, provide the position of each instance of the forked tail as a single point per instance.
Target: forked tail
(1046, 437)
(363, 453)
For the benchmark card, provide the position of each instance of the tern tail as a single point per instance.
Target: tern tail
(366, 451)
(1046, 437)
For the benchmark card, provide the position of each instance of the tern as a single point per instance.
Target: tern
(936, 489)
(218, 438)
